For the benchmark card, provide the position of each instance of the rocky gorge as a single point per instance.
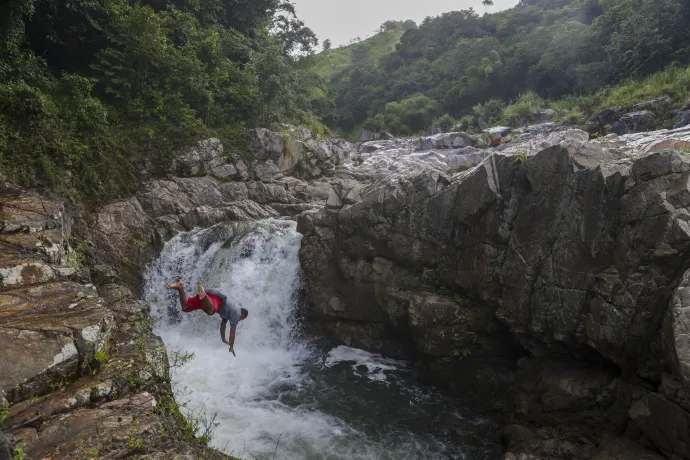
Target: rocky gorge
(547, 277)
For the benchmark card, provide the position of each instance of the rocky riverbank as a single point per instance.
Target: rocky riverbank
(545, 277)
(82, 374)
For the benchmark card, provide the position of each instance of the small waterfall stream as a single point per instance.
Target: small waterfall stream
(287, 395)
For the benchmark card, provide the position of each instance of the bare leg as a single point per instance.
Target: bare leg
(208, 304)
(183, 295)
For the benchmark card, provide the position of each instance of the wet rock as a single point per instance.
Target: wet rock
(626, 449)
(436, 327)
(5, 448)
(664, 423)
(575, 249)
(675, 329)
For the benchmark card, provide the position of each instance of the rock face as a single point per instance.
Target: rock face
(296, 152)
(82, 374)
(682, 119)
(533, 118)
(445, 141)
(575, 250)
(125, 234)
(633, 122)
(637, 118)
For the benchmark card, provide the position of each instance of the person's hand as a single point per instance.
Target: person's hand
(232, 350)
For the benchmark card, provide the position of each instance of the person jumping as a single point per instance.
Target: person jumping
(211, 302)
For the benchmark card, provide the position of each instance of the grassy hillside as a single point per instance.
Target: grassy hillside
(366, 52)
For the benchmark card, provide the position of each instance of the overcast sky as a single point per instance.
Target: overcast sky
(342, 20)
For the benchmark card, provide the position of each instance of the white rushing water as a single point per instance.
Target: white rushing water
(286, 396)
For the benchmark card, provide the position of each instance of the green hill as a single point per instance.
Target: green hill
(468, 65)
(365, 52)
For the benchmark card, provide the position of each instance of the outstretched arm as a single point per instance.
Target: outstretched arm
(232, 340)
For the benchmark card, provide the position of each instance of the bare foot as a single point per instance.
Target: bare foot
(177, 285)
(202, 291)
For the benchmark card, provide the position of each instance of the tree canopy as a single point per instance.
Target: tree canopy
(553, 48)
(95, 92)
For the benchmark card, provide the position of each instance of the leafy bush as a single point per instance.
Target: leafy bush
(446, 123)
(490, 111)
(126, 85)
(465, 124)
(409, 116)
(526, 104)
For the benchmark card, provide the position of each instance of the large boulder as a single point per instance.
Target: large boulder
(682, 119)
(73, 329)
(633, 122)
(607, 116)
(296, 152)
(123, 235)
(206, 158)
(265, 144)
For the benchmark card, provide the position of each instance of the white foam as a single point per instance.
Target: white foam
(376, 365)
(259, 271)
(280, 394)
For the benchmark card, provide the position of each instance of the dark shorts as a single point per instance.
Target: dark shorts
(195, 303)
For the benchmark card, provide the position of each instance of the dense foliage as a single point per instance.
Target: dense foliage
(95, 92)
(541, 49)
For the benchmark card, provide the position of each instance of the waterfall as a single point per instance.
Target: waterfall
(286, 393)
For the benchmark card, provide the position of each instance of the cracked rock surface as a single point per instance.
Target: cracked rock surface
(554, 272)
(82, 376)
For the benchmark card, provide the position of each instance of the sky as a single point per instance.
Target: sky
(343, 20)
